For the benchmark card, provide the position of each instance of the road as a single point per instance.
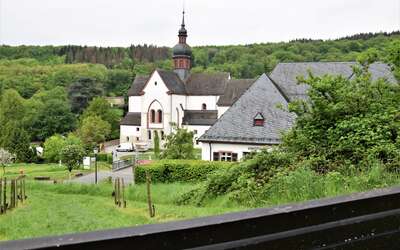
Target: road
(102, 175)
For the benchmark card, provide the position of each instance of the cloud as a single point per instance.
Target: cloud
(125, 22)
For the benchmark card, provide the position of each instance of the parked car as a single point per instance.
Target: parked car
(125, 147)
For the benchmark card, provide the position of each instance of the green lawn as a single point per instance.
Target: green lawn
(53, 209)
(54, 171)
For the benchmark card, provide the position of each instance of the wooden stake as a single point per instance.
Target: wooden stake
(1, 196)
(5, 195)
(151, 206)
(123, 193)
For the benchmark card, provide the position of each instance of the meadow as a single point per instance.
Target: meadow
(60, 208)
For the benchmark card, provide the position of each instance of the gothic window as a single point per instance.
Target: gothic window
(149, 134)
(152, 116)
(204, 106)
(162, 135)
(258, 120)
(159, 116)
(155, 83)
(137, 129)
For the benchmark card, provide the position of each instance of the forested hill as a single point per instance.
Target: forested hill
(30, 68)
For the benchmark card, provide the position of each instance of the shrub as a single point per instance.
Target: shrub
(104, 157)
(179, 170)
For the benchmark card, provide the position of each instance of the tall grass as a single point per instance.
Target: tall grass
(304, 184)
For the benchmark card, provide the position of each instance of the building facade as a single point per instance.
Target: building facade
(163, 100)
(259, 116)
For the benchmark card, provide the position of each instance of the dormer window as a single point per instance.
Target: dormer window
(258, 120)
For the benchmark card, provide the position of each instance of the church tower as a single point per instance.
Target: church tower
(182, 53)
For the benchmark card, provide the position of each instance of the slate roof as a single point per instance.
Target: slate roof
(200, 117)
(285, 74)
(206, 83)
(173, 82)
(236, 124)
(138, 85)
(234, 89)
(195, 84)
(132, 119)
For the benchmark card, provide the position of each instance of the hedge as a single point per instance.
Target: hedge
(178, 170)
(105, 157)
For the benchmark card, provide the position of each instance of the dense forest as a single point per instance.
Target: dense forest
(53, 86)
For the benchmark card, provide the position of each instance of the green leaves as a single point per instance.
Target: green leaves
(179, 145)
(72, 155)
(345, 118)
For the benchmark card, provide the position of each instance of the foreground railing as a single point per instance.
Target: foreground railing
(368, 220)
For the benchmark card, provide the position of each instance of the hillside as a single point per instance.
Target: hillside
(50, 66)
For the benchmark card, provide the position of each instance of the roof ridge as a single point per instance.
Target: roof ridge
(309, 62)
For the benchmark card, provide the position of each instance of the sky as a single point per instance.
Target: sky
(209, 22)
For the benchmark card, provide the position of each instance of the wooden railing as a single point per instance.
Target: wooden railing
(368, 220)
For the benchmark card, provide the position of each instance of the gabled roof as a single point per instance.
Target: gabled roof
(234, 89)
(132, 119)
(206, 83)
(195, 84)
(285, 74)
(236, 124)
(138, 85)
(200, 117)
(173, 82)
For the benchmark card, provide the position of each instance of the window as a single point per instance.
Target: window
(127, 138)
(162, 135)
(204, 106)
(216, 156)
(152, 116)
(137, 129)
(159, 116)
(195, 132)
(155, 83)
(149, 134)
(137, 139)
(258, 120)
(225, 156)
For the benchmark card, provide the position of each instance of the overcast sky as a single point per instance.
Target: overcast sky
(209, 22)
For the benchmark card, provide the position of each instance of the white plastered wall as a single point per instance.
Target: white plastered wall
(226, 147)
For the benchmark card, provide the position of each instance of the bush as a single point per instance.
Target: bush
(104, 157)
(179, 170)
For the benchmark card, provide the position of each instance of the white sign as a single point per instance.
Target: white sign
(86, 163)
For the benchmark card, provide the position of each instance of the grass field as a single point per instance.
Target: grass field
(54, 171)
(53, 209)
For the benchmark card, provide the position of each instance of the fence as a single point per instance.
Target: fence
(16, 193)
(368, 220)
(121, 164)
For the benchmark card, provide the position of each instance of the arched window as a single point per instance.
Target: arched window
(204, 106)
(152, 116)
(159, 116)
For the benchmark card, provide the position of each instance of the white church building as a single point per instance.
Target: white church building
(229, 117)
(164, 99)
